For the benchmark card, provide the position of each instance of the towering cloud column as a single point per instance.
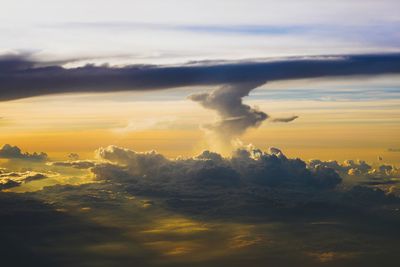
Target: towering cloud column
(235, 117)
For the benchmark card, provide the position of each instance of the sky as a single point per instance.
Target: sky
(129, 32)
(171, 33)
(199, 133)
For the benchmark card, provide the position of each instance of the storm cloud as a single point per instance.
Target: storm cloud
(22, 77)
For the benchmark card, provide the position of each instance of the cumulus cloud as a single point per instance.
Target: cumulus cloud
(138, 162)
(22, 77)
(235, 117)
(357, 168)
(249, 201)
(247, 167)
(249, 183)
(73, 156)
(14, 152)
(233, 199)
(275, 151)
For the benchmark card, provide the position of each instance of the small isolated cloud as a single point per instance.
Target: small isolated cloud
(14, 152)
(284, 119)
(73, 156)
(77, 164)
(235, 117)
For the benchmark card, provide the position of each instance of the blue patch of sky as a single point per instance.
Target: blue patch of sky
(211, 29)
(379, 34)
(298, 94)
(377, 28)
(243, 29)
(358, 94)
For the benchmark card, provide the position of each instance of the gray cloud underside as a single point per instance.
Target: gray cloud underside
(21, 77)
(250, 182)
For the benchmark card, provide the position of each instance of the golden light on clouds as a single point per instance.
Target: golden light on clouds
(325, 129)
(172, 133)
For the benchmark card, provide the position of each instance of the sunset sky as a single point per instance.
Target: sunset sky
(338, 118)
(261, 123)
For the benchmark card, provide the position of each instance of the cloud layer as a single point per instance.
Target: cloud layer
(247, 167)
(23, 77)
(250, 183)
(143, 207)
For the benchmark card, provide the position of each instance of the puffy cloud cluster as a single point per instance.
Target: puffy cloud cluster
(14, 152)
(247, 167)
(357, 168)
(250, 184)
(12, 179)
(248, 202)
(73, 156)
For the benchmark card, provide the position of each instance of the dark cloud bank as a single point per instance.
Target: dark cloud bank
(21, 77)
